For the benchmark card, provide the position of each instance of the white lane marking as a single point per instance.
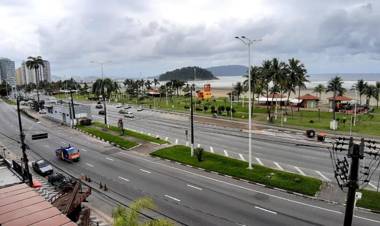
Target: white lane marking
(370, 184)
(166, 138)
(171, 197)
(109, 159)
(83, 150)
(278, 166)
(199, 145)
(323, 176)
(176, 141)
(122, 178)
(90, 165)
(195, 187)
(241, 157)
(145, 171)
(300, 171)
(211, 149)
(269, 211)
(245, 188)
(259, 161)
(225, 153)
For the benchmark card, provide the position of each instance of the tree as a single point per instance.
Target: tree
(5, 88)
(238, 89)
(103, 87)
(377, 94)
(360, 86)
(129, 217)
(35, 63)
(335, 85)
(267, 78)
(370, 92)
(319, 89)
(256, 83)
(299, 70)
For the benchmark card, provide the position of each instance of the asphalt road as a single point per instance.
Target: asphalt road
(289, 152)
(189, 196)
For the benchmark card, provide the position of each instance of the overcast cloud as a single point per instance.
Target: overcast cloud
(153, 36)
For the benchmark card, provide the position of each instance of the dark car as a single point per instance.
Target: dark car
(59, 180)
(101, 112)
(99, 106)
(42, 167)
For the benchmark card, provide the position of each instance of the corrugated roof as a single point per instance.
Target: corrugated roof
(308, 97)
(21, 205)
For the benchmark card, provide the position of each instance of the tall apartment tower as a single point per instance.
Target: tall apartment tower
(44, 73)
(8, 71)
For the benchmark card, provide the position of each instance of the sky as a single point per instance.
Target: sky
(149, 37)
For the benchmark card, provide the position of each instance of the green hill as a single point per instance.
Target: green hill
(187, 74)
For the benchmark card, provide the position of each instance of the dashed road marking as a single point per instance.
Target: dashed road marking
(278, 166)
(300, 171)
(83, 150)
(259, 161)
(269, 211)
(109, 159)
(176, 141)
(241, 157)
(171, 197)
(225, 153)
(211, 149)
(195, 187)
(90, 165)
(122, 178)
(323, 176)
(145, 171)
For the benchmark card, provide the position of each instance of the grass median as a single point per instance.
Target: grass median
(369, 200)
(133, 134)
(236, 168)
(108, 137)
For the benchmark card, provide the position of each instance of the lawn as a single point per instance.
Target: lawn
(369, 200)
(132, 134)
(236, 168)
(108, 137)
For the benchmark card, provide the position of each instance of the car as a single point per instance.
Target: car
(68, 153)
(127, 107)
(42, 167)
(59, 181)
(99, 106)
(42, 112)
(122, 111)
(129, 115)
(101, 112)
(140, 109)
(119, 106)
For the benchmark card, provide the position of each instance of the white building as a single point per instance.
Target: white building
(8, 71)
(29, 75)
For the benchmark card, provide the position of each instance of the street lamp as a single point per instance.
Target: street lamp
(248, 42)
(102, 63)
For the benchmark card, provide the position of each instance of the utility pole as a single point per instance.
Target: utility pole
(192, 117)
(26, 175)
(72, 107)
(355, 152)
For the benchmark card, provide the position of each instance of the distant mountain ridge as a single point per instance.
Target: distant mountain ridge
(187, 74)
(228, 70)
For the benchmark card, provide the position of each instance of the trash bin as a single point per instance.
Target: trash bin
(310, 133)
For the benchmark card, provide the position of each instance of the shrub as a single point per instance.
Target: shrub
(205, 108)
(199, 153)
(198, 109)
(186, 107)
(311, 121)
(213, 109)
(228, 108)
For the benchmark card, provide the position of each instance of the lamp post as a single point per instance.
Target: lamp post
(102, 63)
(248, 42)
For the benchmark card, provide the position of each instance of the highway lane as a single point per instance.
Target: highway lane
(219, 203)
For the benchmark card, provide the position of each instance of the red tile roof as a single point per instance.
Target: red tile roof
(308, 97)
(21, 205)
(340, 98)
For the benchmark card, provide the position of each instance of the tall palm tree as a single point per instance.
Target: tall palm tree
(256, 83)
(35, 63)
(267, 78)
(296, 67)
(370, 92)
(103, 87)
(335, 85)
(378, 94)
(319, 89)
(238, 89)
(360, 87)
(155, 82)
(130, 217)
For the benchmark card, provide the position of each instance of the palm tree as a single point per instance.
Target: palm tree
(335, 85)
(256, 83)
(319, 89)
(299, 70)
(267, 78)
(35, 63)
(155, 82)
(370, 91)
(238, 89)
(103, 87)
(130, 217)
(378, 94)
(360, 86)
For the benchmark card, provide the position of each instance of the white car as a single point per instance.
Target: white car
(42, 112)
(129, 115)
(119, 106)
